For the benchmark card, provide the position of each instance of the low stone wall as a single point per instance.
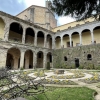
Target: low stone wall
(79, 53)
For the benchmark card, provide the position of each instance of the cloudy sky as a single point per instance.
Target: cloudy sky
(14, 7)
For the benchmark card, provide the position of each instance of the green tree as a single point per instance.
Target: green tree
(79, 9)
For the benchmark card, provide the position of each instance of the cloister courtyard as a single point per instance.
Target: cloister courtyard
(57, 78)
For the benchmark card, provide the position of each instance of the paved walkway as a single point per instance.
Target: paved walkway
(82, 84)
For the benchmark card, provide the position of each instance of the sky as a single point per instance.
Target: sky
(14, 7)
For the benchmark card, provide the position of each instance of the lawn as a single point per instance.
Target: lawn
(76, 93)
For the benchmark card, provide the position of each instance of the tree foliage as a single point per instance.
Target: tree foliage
(79, 9)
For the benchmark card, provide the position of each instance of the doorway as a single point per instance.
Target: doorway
(76, 62)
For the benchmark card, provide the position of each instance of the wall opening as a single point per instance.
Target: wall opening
(89, 57)
(29, 36)
(16, 32)
(77, 62)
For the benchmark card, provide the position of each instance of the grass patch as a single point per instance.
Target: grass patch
(75, 93)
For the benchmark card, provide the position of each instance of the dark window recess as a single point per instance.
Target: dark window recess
(50, 58)
(94, 41)
(68, 44)
(39, 55)
(89, 57)
(65, 58)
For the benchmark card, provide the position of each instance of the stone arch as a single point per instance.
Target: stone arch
(13, 58)
(96, 33)
(40, 57)
(28, 59)
(2, 26)
(66, 41)
(86, 37)
(30, 36)
(40, 39)
(75, 39)
(58, 42)
(15, 32)
(49, 41)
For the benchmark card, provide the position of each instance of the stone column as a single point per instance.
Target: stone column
(34, 60)
(44, 60)
(22, 59)
(35, 39)
(92, 36)
(61, 42)
(80, 39)
(6, 30)
(24, 35)
(53, 43)
(16, 59)
(70, 40)
(45, 40)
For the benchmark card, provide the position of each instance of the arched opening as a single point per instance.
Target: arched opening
(16, 32)
(40, 39)
(75, 39)
(89, 57)
(86, 37)
(65, 58)
(13, 58)
(66, 41)
(58, 42)
(40, 59)
(49, 41)
(77, 62)
(29, 36)
(28, 59)
(2, 26)
(96, 33)
(49, 59)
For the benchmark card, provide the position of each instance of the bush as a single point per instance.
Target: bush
(48, 66)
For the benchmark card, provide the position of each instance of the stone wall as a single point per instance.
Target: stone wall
(81, 53)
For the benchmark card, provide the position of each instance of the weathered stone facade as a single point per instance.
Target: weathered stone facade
(26, 45)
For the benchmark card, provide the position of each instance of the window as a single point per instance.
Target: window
(39, 55)
(65, 58)
(89, 57)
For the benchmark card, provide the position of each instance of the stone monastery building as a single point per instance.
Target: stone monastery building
(32, 38)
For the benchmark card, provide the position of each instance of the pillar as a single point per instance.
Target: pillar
(70, 40)
(24, 35)
(53, 43)
(44, 60)
(22, 59)
(34, 60)
(80, 39)
(92, 36)
(45, 40)
(35, 40)
(61, 42)
(6, 30)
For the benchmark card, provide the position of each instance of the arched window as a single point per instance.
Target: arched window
(89, 57)
(65, 58)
